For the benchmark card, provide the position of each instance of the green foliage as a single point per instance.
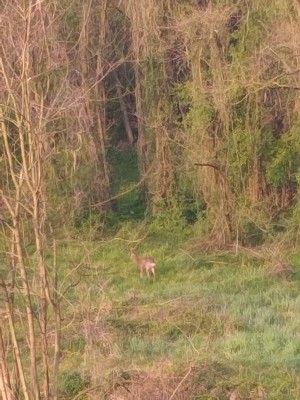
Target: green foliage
(242, 67)
(130, 205)
(153, 69)
(199, 118)
(182, 93)
(251, 234)
(200, 112)
(251, 30)
(89, 221)
(240, 153)
(72, 383)
(172, 221)
(77, 344)
(283, 167)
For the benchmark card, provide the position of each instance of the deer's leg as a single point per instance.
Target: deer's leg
(141, 272)
(153, 272)
(147, 271)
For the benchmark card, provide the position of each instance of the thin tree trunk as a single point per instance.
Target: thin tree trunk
(15, 345)
(56, 301)
(5, 384)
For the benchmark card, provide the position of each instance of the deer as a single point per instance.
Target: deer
(145, 264)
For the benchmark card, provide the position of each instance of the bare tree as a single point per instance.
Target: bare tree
(27, 107)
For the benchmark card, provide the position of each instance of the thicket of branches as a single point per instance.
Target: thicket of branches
(205, 93)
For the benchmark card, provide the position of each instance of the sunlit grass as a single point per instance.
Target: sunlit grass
(220, 310)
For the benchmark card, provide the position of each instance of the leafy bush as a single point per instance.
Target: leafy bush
(72, 383)
(251, 234)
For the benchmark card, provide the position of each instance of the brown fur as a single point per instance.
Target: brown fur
(145, 264)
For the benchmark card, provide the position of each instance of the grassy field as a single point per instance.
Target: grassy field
(209, 326)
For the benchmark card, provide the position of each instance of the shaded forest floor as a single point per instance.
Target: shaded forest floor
(209, 326)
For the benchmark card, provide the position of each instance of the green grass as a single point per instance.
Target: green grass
(216, 325)
(222, 320)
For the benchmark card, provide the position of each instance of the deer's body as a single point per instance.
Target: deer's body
(145, 264)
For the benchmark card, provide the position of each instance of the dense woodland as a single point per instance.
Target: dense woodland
(177, 111)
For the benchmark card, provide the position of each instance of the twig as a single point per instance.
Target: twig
(180, 383)
(185, 252)
(85, 391)
(101, 203)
